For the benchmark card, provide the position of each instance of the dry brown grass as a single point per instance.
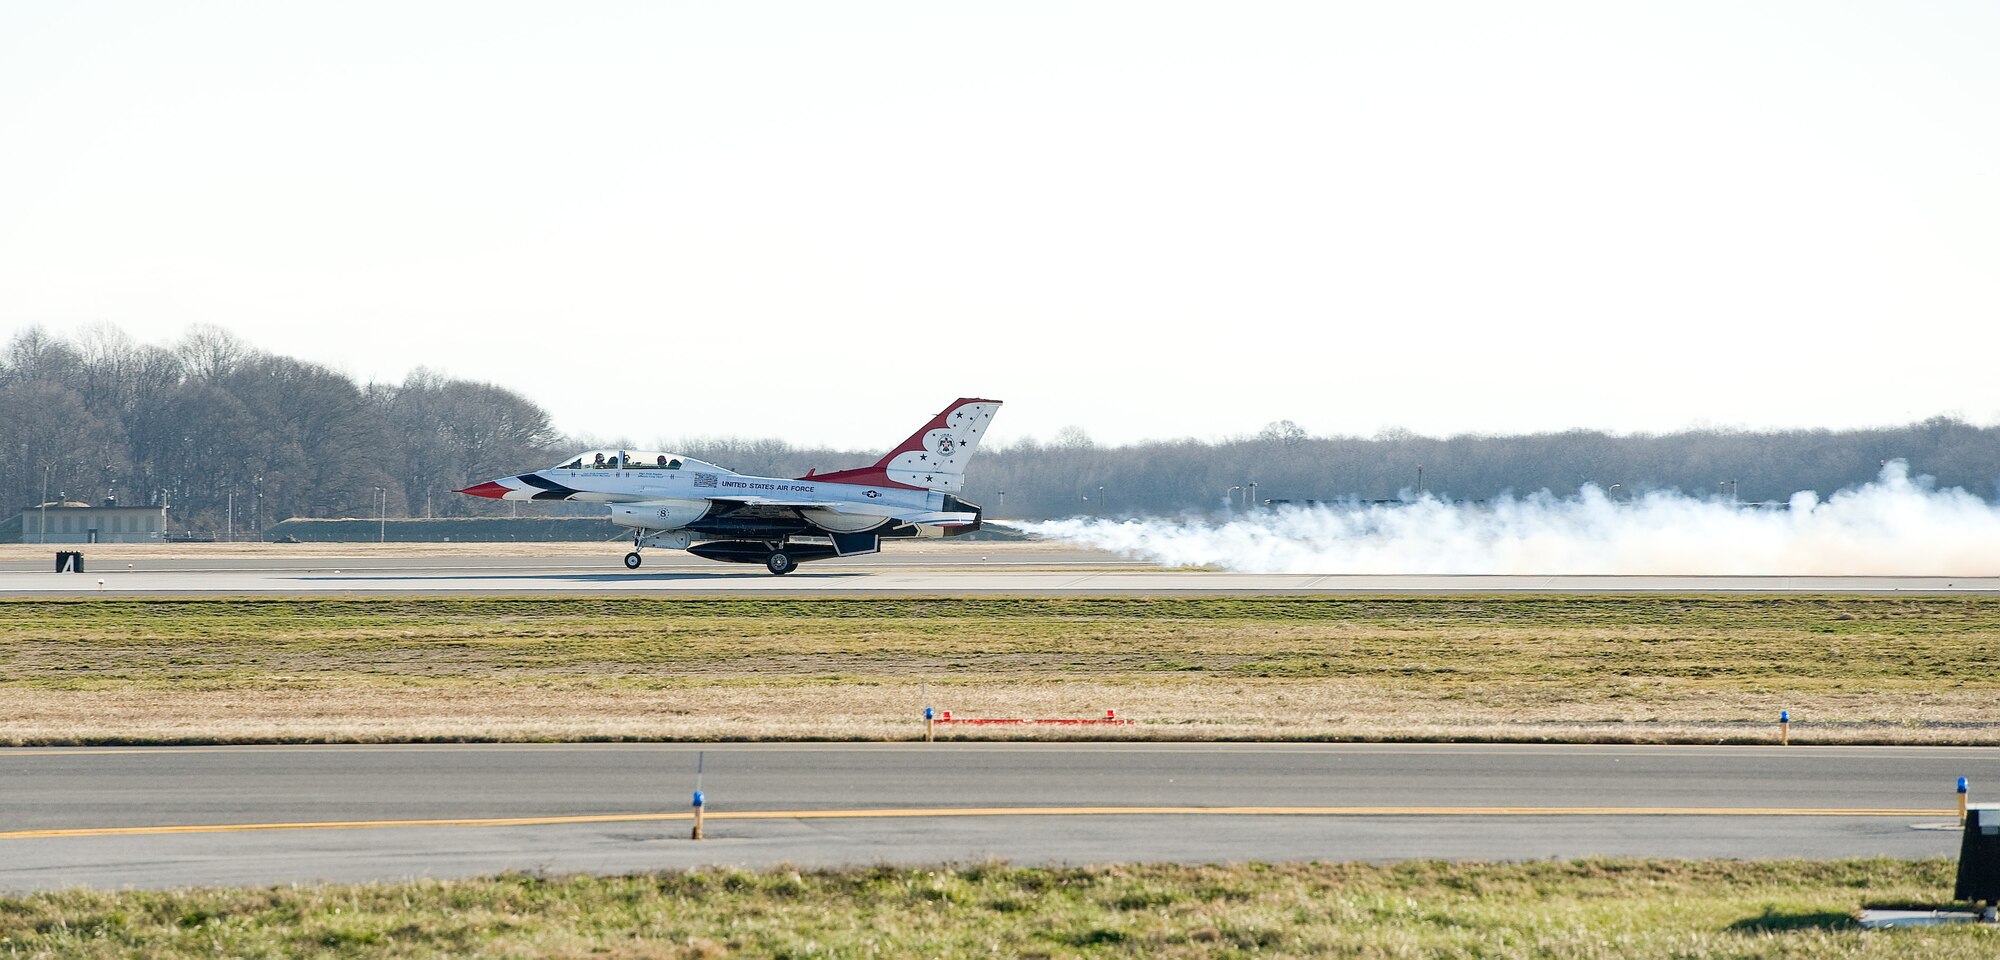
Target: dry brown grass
(1252, 709)
(1637, 668)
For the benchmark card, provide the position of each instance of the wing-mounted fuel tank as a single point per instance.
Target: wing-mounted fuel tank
(745, 551)
(659, 514)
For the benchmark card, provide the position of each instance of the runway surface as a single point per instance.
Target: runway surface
(1034, 571)
(162, 817)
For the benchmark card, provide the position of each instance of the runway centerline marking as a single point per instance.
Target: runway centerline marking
(945, 812)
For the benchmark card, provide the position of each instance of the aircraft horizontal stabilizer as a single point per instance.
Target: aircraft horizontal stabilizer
(941, 519)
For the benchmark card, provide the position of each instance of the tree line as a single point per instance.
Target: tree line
(1072, 475)
(216, 429)
(227, 435)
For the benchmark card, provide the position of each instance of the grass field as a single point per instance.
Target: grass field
(1622, 909)
(1639, 668)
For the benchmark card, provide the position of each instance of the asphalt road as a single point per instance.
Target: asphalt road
(161, 817)
(1052, 572)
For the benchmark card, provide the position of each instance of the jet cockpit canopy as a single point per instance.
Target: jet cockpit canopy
(629, 460)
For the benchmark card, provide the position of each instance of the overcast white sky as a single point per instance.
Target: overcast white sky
(822, 221)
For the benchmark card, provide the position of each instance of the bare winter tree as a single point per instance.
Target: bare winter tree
(213, 426)
(445, 434)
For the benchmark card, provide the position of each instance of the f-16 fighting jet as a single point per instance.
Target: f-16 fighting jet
(684, 504)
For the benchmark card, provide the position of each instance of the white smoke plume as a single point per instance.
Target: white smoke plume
(1891, 526)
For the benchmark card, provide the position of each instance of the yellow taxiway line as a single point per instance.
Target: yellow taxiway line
(939, 812)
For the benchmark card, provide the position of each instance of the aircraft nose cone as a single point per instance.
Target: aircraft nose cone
(490, 490)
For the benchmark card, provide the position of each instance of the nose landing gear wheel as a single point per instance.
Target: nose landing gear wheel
(632, 560)
(780, 562)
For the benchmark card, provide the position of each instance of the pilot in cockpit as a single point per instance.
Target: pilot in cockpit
(598, 464)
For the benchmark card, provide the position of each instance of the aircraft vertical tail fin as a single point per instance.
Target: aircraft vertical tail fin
(933, 458)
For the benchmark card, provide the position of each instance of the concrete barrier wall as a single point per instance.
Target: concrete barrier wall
(448, 530)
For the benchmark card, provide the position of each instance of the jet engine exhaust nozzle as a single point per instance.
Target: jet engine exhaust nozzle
(956, 505)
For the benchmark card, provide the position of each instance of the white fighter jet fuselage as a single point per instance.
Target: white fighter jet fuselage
(683, 503)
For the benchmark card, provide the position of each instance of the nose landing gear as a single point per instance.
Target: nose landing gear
(645, 538)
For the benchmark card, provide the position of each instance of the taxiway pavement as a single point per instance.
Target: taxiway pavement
(162, 817)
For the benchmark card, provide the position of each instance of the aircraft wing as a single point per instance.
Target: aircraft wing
(935, 518)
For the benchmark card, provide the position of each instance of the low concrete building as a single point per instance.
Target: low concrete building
(71, 522)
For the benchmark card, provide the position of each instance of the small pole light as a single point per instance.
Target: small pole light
(1784, 728)
(1110, 714)
(1963, 789)
(947, 716)
(930, 717)
(700, 802)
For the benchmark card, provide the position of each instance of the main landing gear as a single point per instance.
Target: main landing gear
(632, 560)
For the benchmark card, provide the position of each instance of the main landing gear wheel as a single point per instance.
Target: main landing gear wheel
(780, 562)
(632, 560)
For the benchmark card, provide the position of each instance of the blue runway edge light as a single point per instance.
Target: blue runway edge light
(1784, 716)
(927, 713)
(697, 798)
(1962, 785)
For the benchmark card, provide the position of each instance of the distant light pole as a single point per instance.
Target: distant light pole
(1731, 484)
(381, 515)
(46, 467)
(1252, 505)
(1231, 495)
(1420, 481)
(1614, 493)
(229, 523)
(1002, 509)
(1102, 504)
